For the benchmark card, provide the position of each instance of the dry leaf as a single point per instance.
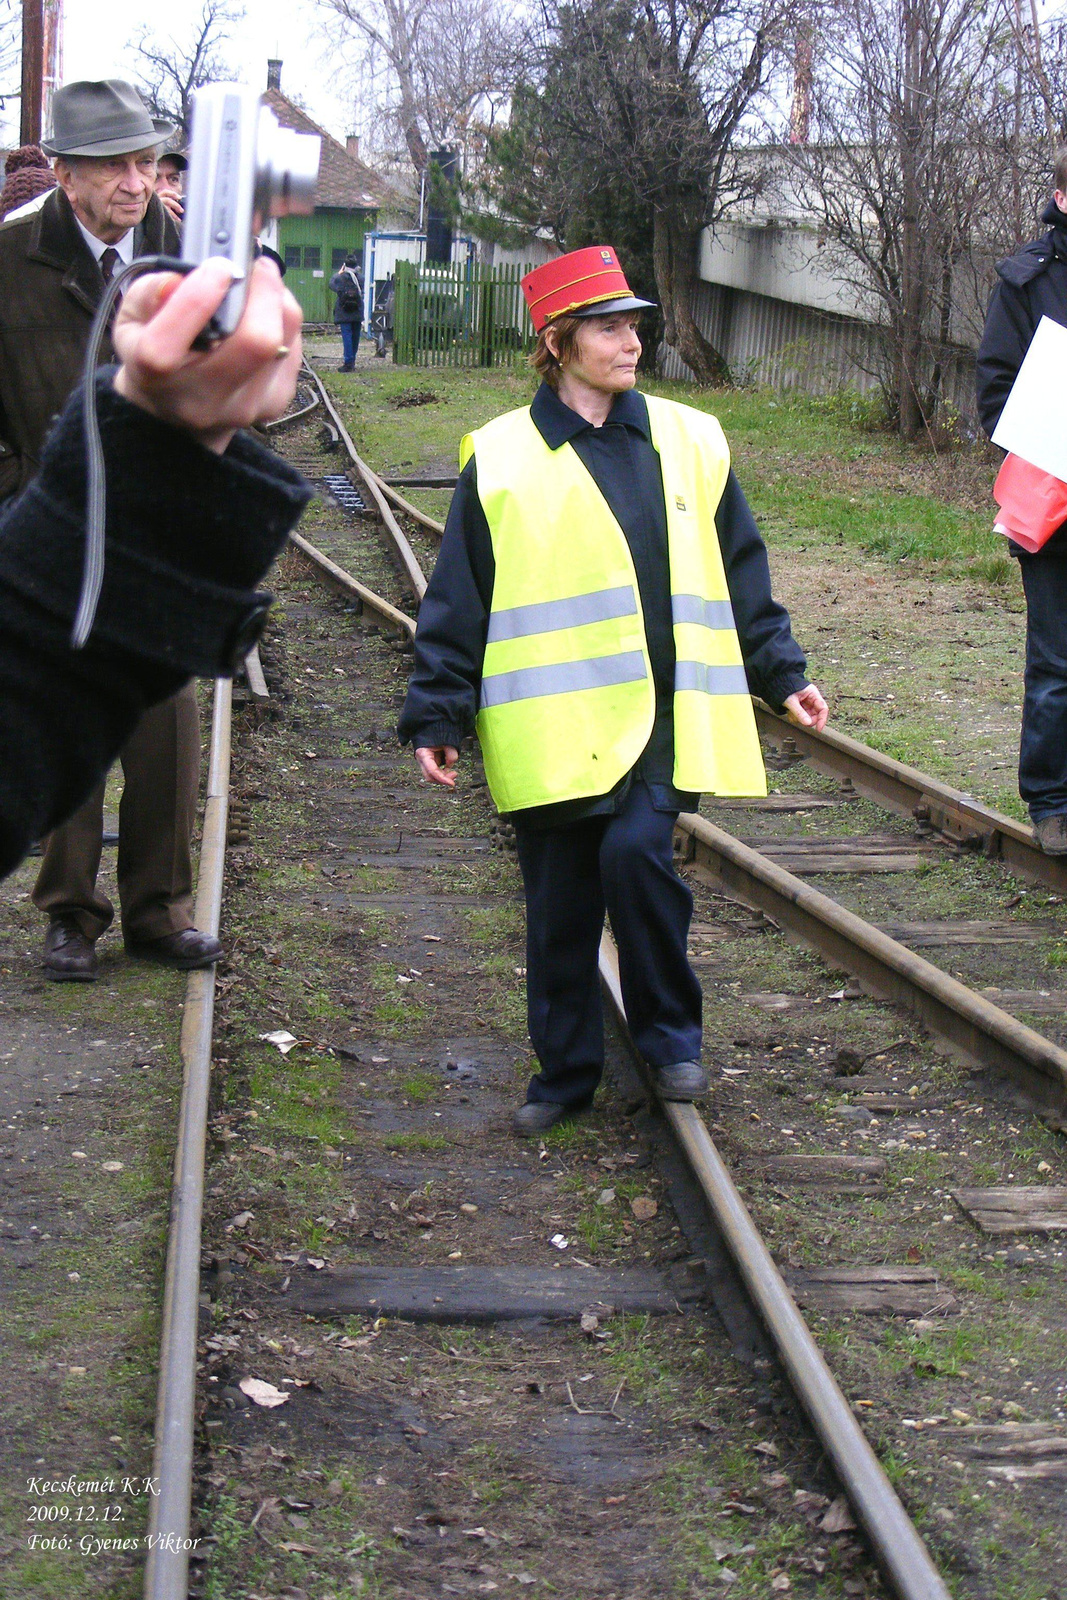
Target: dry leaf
(838, 1518)
(262, 1393)
(644, 1207)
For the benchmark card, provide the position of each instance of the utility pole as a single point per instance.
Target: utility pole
(32, 71)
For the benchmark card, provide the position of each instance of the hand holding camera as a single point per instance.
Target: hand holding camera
(248, 377)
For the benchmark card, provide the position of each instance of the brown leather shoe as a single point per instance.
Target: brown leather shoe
(184, 951)
(69, 957)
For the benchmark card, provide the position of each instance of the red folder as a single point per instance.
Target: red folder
(1033, 504)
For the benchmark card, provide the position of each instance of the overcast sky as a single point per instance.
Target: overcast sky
(284, 28)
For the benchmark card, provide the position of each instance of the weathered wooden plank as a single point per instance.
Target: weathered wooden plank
(804, 1169)
(487, 1294)
(257, 683)
(1038, 1002)
(773, 802)
(777, 1002)
(1036, 1208)
(878, 853)
(1012, 1450)
(889, 1105)
(891, 1291)
(922, 934)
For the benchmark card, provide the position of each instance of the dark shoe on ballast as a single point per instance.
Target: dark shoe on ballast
(69, 957)
(684, 1081)
(349, 366)
(534, 1118)
(1051, 834)
(185, 951)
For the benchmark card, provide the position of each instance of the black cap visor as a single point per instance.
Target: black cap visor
(608, 308)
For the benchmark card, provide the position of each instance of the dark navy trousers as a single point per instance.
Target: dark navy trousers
(1043, 744)
(621, 863)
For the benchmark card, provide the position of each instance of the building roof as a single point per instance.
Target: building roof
(345, 182)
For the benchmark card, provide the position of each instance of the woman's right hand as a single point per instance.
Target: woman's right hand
(437, 764)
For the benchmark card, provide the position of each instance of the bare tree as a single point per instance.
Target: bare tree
(438, 69)
(171, 69)
(910, 117)
(10, 51)
(645, 99)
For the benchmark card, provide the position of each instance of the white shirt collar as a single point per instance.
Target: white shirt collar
(97, 246)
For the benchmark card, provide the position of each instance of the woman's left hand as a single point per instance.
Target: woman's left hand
(807, 708)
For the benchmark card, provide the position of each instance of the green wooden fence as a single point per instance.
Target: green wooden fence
(459, 316)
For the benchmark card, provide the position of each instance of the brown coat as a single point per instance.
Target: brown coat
(50, 286)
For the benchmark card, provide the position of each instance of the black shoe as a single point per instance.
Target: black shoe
(348, 366)
(1051, 834)
(536, 1117)
(185, 951)
(69, 957)
(684, 1081)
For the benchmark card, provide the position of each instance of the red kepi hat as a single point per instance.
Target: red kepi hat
(584, 283)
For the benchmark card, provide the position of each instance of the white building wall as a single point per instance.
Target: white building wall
(773, 303)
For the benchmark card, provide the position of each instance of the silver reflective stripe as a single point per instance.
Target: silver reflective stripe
(705, 613)
(549, 616)
(710, 680)
(530, 683)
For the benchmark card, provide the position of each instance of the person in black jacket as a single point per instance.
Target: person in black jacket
(348, 308)
(589, 850)
(1033, 284)
(196, 513)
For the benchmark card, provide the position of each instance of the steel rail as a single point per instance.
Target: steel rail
(406, 506)
(910, 793)
(352, 586)
(965, 1019)
(292, 416)
(893, 1536)
(408, 559)
(167, 1568)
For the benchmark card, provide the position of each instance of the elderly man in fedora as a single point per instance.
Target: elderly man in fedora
(600, 609)
(54, 265)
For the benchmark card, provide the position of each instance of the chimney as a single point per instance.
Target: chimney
(352, 145)
(274, 75)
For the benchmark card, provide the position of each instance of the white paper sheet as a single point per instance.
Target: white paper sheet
(1033, 423)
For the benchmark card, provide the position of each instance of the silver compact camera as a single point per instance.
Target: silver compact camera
(244, 168)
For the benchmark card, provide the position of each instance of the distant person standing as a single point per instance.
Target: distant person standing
(54, 266)
(1033, 284)
(348, 308)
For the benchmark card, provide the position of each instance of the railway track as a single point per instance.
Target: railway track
(969, 1022)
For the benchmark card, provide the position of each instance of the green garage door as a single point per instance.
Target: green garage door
(313, 248)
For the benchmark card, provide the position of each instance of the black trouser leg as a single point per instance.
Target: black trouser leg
(650, 910)
(564, 922)
(570, 873)
(1043, 744)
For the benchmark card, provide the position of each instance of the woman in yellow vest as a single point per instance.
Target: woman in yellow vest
(600, 612)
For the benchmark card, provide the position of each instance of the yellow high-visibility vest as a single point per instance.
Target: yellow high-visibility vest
(567, 697)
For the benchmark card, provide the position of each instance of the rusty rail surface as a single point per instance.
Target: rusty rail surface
(167, 1568)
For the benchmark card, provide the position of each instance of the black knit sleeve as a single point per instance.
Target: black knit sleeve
(442, 698)
(189, 533)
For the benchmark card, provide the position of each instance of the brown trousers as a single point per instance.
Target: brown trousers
(161, 772)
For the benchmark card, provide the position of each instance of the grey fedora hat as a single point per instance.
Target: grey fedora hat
(106, 118)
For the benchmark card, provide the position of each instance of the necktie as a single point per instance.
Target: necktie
(108, 262)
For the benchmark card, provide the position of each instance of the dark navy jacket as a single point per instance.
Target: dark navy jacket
(442, 698)
(1033, 284)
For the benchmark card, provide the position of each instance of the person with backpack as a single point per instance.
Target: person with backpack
(348, 308)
